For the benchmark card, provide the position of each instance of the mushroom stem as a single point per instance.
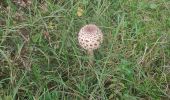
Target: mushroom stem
(91, 56)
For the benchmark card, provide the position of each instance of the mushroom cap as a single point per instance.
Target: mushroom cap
(90, 37)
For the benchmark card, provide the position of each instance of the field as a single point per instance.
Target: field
(41, 59)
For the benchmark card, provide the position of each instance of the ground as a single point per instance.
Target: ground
(40, 57)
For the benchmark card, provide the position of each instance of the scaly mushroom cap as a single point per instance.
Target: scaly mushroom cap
(90, 37)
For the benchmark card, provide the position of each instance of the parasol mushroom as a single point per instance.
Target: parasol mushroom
(90, 37)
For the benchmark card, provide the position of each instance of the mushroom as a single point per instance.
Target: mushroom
(90, 37)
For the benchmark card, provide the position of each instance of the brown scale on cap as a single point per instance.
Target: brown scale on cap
(90, 37)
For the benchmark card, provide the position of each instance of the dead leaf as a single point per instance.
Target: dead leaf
(19, 16)
(23, 3)
(79, 11)
(24, 32)
(44, 7)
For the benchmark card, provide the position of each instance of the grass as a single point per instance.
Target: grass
(40, 57)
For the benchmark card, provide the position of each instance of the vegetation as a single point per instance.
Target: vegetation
(40, 58)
